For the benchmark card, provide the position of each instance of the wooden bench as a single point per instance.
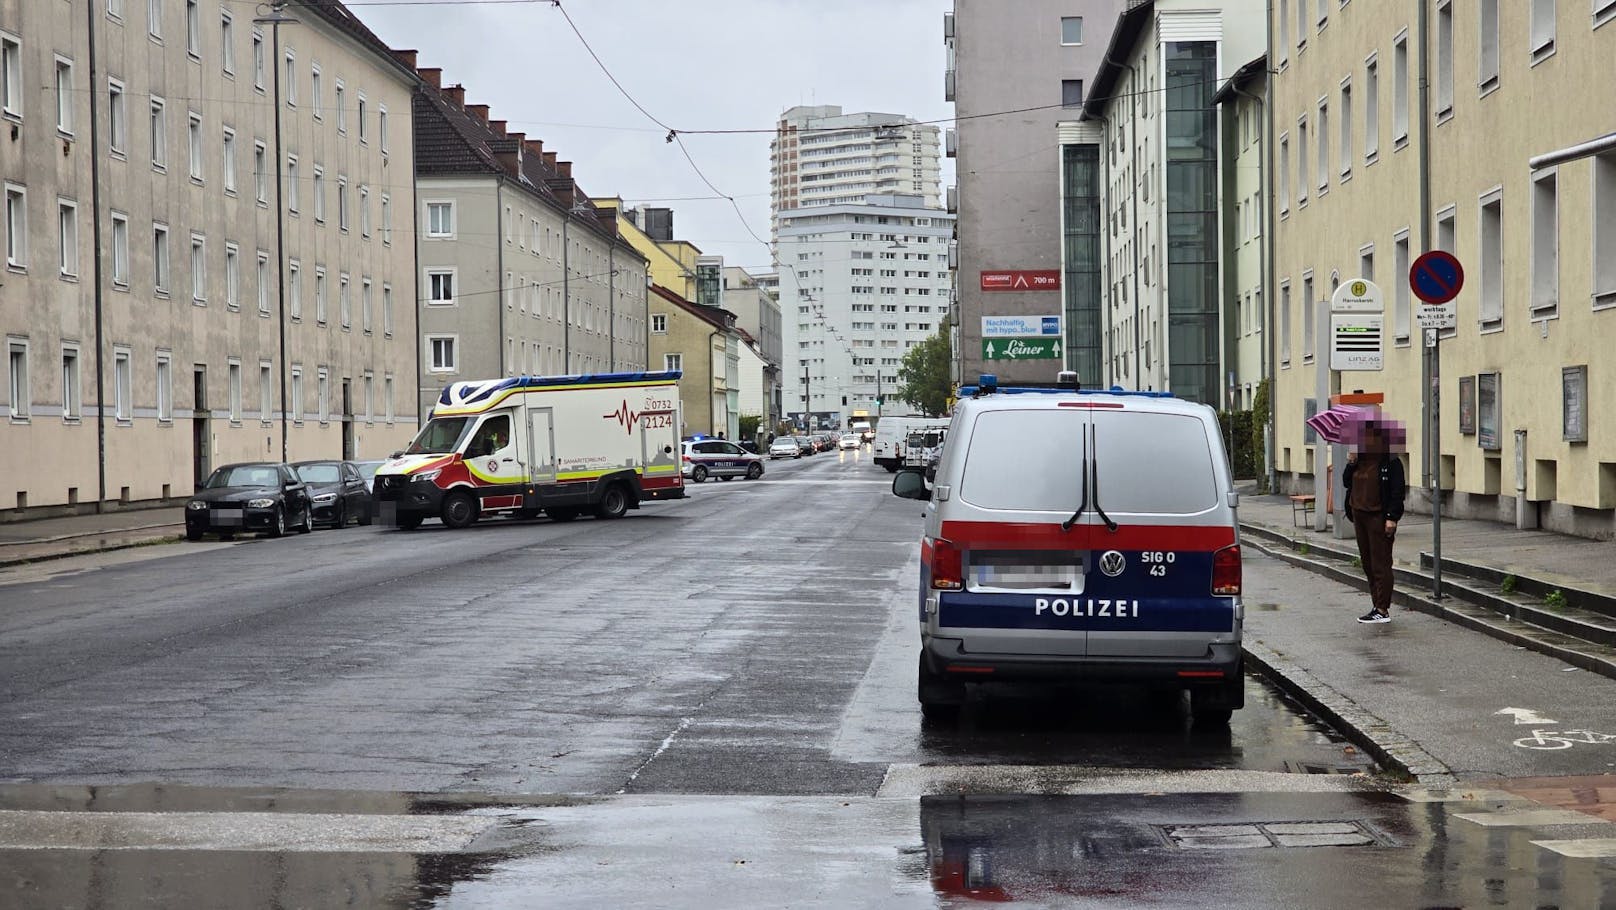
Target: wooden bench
(1301, 508)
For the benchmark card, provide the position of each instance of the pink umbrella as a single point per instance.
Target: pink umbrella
(1332, 423)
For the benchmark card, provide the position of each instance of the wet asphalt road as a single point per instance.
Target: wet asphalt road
(709, 703)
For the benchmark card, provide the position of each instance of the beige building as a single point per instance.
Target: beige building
(519, 272)
(704, 344)
(1520, 383)
(156, 322)
(1240, 215)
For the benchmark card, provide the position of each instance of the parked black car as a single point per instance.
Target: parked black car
(259, 496)
(337, 490)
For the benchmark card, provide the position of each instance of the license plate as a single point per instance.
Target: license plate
(226, 516)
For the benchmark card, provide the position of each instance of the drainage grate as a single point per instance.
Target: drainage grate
(1256, 835)
(1306, 767)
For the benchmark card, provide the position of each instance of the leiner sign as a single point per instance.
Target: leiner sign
(1021, 348)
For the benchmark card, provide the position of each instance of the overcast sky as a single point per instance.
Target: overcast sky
(694, 64)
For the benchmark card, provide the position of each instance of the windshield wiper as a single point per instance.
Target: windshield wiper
(1082, 504)
(1095, 446)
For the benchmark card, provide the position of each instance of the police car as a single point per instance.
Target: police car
(704, 458)
(1080, 535)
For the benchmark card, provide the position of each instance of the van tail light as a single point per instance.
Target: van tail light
(1226, 572)
(947, 565)
(687, 459)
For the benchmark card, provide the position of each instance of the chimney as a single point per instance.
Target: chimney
(550, 160)
(406, 57)
(432, 75)
(564, 191)
(510, 156)
(498, 126)
(607, 219)
(480, 111)
(564, 169)
(535, 147)
(456, 95)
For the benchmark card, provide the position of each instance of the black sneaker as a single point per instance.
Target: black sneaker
(1375, 616)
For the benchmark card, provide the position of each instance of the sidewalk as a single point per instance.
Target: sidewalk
(54, 538)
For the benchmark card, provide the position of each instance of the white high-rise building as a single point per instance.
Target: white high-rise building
(821, 156)
(860, 284)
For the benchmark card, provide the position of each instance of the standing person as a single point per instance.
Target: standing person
(1376, 487)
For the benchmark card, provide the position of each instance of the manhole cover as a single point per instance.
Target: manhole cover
(1256, 835)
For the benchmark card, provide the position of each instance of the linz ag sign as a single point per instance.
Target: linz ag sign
(1021, 280)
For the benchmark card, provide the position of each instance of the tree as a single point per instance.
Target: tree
(749, 425)
(925, 374)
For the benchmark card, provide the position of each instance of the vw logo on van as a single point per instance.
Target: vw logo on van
(1112, 563)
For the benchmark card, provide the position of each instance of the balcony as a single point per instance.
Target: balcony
(951, 142)
(948, 85)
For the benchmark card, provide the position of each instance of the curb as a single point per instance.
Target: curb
(1391, 749)
(80, 534)
(8, 562)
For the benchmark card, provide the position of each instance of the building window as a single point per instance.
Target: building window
(1308, 309)
(365, 309)
(199, 269)
(1492, 259)
(10, 76)
(260, 173)
(16, 227)
(344, 302)
(289, 82)
(1301, 162)
(165, 388)
(364, 122)
(160, 258)
(1071, 30)
(193, 29)
(364, 212)
(342, 111)
(117, 118)
(673, 362)
(441, 353)
(440, 287)
(1400, 91)
(296, 394)
(17, 358)
(1371, 139)
(258, 60)
(387, 310)
(230, 161)
(234, 373)
(1071, 92)
(122, 385)
(1545, 244)
(1346, 129)
(1401, 303)
(315, 101)
(154, 18)
(319, 295)
(120, 250)
(387, 219)
(387, 398)
(64, 96)
(294, 290)
(1444, 60)
(1487, 55)
(381, 127)
(194, 140)
(1284, 182)
(291, 185)
(1604, 227)
(322, 393)
(159, 133)
(72, 398)
(227, 44)
(263, 283)
(266, 395)
(232, 276)
(67, 238)
(319, 194)
(1543, 28)
(342, 204)
(1366, 262)
(1324, 146)
(659, 323)
(440, 219)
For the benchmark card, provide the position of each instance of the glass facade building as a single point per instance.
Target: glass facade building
(1080, 283)
(1193, 348)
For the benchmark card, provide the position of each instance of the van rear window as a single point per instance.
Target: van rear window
(1025, 461)
(1151, 463)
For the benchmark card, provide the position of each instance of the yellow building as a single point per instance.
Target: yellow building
(673, 262)
(1519, 380)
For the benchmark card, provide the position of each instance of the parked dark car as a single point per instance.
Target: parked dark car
(243, 498)
(367, 470)
(337, 491)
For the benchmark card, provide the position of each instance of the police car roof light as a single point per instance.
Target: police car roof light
(971, 391)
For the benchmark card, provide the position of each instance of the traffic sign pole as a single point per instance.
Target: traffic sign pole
(1436, 277)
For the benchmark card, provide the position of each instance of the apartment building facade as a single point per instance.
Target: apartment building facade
(520, 272)
(821, 156)
(1242, 121)
(757, 315)
(185, 284)
(859, 286)
(1522, 394)
(703, 343)
(1029, 175)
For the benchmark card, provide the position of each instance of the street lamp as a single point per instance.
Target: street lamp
(274, 20)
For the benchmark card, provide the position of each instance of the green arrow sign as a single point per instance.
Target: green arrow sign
(1021, 348)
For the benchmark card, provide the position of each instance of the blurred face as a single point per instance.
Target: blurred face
(1373, 440)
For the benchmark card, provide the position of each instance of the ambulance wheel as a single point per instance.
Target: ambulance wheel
(409, 521)
(699, 474)
(755, 471)
(613, 503)
(940, 699)
(561, 514)
(459, 510)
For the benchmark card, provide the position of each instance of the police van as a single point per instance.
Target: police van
(1080, 535)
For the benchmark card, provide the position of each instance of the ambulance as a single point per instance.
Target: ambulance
(1080, 535)
(557, 445)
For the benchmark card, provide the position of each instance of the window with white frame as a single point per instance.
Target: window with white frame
(342, 203)
(370, 397)
(387, 310)
(319, 295)
(1308, 310)
(1366, 262)
(1284, 182)
(340, 105)
(359, 113)
(1604, 225)
(1545, 273)
(64, 96)
(17, 370)
(387, 219)
(1345, 114)
(1444, 59)
(67, 237)
(233, 371)
(319, 194)
(292, 195)
(10, 76)
(193, 29)
(1491, 276)
(229, 161)
(72, 396)
(1543, 28)
(315, 100)
(165, 387)
(1071, 30)
(266, 391)
(673, 362)
(441, 355)
(1284, 29)
(322, 393)
(364, 211)
(294, 290)
(1604, 11)
(160, 275)
(227, 43)
(260, 172)
(365, 309)
(258, 60)
(194, 140)
(344, 301)
(1401, 304)
(264, 280)
(1324, 146)
(117, 119)
(1487, 52)
(387, 397)
(289, 81)
(154, 18)
(16, 225)
(381, 127)
(440, 219)
(1301, 162)
(232, 275)
(296, 394)
(199, 268)
(123, 381)
(1371, 139)
(1400, 91)
(120, 250)
(159, 133)
(440, 287)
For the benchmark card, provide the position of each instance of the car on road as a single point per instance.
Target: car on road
(785, 447)
(367, 470)
(704, 458)
(806, 444)
(337, 491)
(262, 496)
(850, 441)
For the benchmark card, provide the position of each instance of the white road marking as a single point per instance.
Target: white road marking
(1526, 716)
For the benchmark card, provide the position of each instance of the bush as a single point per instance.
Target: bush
(1242, 436)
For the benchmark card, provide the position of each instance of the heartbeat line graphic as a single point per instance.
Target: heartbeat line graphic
(629, 419)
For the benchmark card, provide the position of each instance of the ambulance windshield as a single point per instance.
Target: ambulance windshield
(439, 436)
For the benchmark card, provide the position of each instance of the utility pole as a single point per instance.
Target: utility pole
(807, 401)
(274, 20)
